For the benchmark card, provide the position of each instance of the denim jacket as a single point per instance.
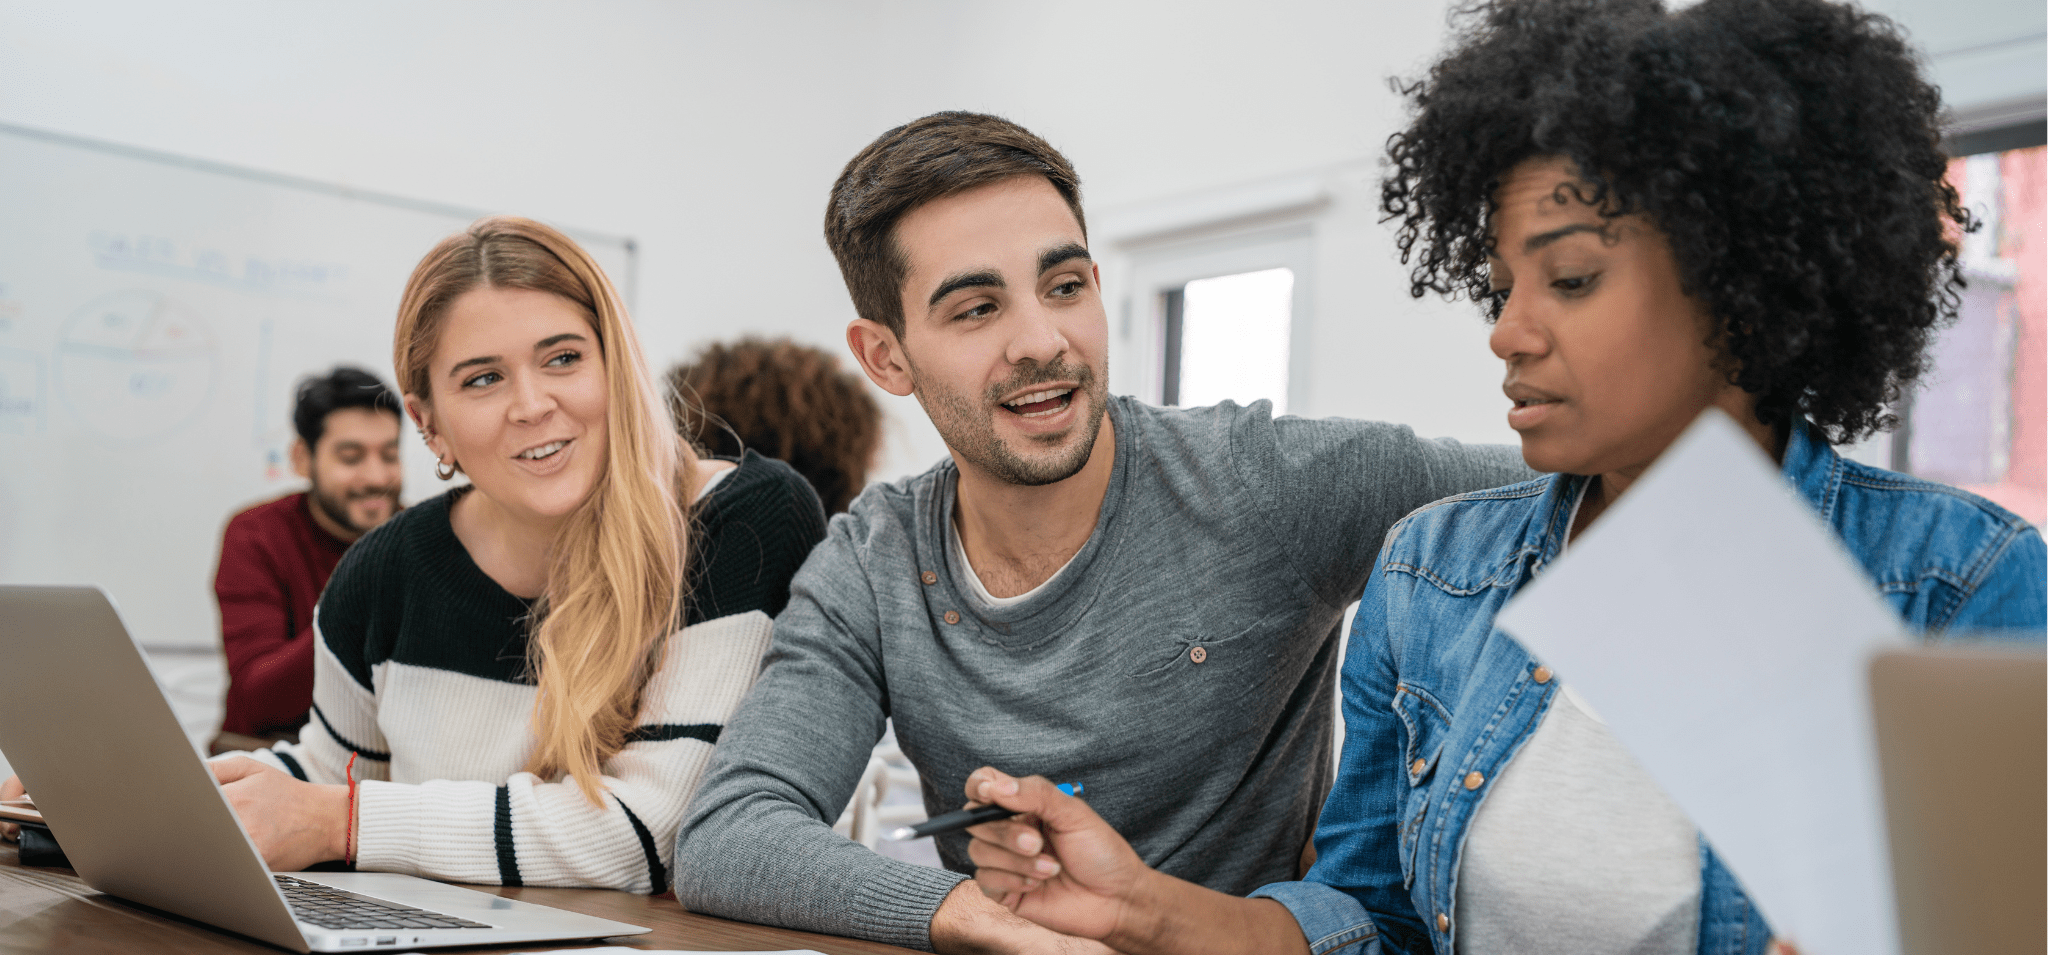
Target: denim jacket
(1436, 700)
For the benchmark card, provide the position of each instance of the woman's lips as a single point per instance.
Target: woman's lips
(547, 465)
(1529, 414)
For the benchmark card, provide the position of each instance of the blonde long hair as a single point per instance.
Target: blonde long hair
(616, 576)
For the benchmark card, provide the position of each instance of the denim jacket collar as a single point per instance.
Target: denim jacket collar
(1545, 539)
(1812, 467)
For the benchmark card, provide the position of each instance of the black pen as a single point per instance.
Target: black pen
(960, 819)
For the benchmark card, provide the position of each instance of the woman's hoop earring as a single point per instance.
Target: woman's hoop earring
(444, 470)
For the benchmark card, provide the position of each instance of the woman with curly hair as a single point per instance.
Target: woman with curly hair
(788, 401)
(1737, 206)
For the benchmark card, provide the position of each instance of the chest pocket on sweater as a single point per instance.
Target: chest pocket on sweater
(1193, 651)
(1425, 725)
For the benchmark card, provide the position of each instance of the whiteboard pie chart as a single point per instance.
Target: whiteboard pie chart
(135, 365)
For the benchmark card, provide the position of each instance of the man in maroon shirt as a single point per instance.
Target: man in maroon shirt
(276, 556)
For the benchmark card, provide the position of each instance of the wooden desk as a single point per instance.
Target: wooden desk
(45, 910)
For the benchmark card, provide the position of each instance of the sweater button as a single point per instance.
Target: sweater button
(1443, 922)
(929, 578)
(1542, 675)
(1473, 780)
(1198, 654)
(952, 616)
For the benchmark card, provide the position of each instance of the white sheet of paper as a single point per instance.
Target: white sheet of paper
(1723, 633)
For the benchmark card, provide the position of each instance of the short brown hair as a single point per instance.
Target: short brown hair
(784, 400)
(915, 163)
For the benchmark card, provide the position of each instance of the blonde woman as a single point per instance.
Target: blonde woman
(503, 663)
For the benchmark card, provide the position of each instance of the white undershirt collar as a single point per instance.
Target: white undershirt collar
(974, 584)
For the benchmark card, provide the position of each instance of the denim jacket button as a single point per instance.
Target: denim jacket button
(1443, 922)
(1416, 768)
(1542, 675)
(1474, 780)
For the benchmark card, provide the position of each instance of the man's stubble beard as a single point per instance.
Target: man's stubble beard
(336, 508)
(968, 426)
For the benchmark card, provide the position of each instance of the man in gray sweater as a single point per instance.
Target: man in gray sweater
(1143, 600)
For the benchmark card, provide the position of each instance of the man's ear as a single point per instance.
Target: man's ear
(880, 354)
(302, 459)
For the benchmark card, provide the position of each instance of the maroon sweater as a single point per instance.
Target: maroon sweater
(274, 561)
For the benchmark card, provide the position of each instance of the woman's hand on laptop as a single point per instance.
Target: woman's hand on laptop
(292, 822)
(11, 789)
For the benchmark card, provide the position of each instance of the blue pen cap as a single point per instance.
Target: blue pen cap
(1071, 789)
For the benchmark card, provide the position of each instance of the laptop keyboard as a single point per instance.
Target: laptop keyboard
(332, 908)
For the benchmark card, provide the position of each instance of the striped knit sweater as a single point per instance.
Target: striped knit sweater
(420, 672)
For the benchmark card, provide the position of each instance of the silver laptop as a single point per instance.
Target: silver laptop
(140, 816)
(1962, 736)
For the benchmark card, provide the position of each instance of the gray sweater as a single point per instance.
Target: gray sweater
(1223, 529)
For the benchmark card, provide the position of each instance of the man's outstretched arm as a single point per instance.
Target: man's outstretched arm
(1331, 487)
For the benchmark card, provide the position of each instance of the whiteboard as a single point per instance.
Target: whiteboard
(155, 314)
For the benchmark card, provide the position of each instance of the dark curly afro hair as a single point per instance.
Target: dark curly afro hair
(1789, 150)
(785, 400)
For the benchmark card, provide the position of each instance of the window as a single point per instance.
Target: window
(1979, 418)
(1219, 318)
(1227, 337)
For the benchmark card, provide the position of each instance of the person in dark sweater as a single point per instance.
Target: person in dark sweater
(276, 557)
(528, 674)
(788, 401)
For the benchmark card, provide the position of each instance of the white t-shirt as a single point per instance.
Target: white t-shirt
(979, 592)
(1577, 850)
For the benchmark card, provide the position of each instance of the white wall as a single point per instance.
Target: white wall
(711, 133)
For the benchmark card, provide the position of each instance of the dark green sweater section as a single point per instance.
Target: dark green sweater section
(408, 592)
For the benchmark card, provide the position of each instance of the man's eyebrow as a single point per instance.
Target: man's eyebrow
(1539, 241)
(1062, 254)
(983, 278)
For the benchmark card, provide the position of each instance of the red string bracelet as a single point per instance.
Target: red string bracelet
(348, 836)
